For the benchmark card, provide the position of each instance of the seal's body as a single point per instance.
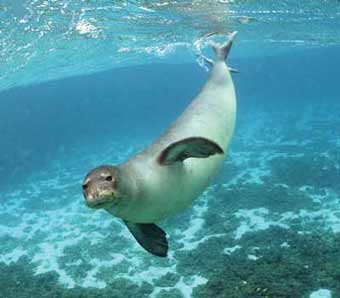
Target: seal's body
(161, 191)
(166, 177)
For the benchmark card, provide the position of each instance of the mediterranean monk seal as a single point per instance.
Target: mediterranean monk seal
(167, 176)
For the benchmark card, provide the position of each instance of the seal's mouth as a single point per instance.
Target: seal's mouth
(96, 205)
(101, 201)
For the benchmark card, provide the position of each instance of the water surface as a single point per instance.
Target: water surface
(90, 82)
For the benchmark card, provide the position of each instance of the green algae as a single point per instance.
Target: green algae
(170, 293)
(19, 281)
(310, 261)
(276, 198)
(168, 280)
(310, 169)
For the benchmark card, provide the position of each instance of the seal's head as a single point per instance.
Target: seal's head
(100, 187)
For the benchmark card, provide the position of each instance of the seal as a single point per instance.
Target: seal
(166, 177)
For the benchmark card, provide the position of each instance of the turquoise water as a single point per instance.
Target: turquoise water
(85, 83)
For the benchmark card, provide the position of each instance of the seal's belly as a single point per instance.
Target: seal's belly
(173, 189)
(193, 180)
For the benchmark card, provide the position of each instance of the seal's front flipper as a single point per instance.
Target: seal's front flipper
(151, 237)
(186, 148)
(233, 70)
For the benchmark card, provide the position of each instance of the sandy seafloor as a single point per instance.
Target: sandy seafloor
(269, 226)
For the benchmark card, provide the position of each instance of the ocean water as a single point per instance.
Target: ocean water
(84, 83)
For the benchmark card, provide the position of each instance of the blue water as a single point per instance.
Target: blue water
(73, 97)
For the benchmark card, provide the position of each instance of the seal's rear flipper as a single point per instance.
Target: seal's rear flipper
(186, 148)
(222, 50)
(151, 237)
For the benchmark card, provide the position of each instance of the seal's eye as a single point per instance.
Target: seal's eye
(108, 178)
(85, 185)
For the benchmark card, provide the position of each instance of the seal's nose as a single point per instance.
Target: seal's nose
(91, 197)
(85, 188)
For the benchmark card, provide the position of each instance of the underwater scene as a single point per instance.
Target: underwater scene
(89, 83)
